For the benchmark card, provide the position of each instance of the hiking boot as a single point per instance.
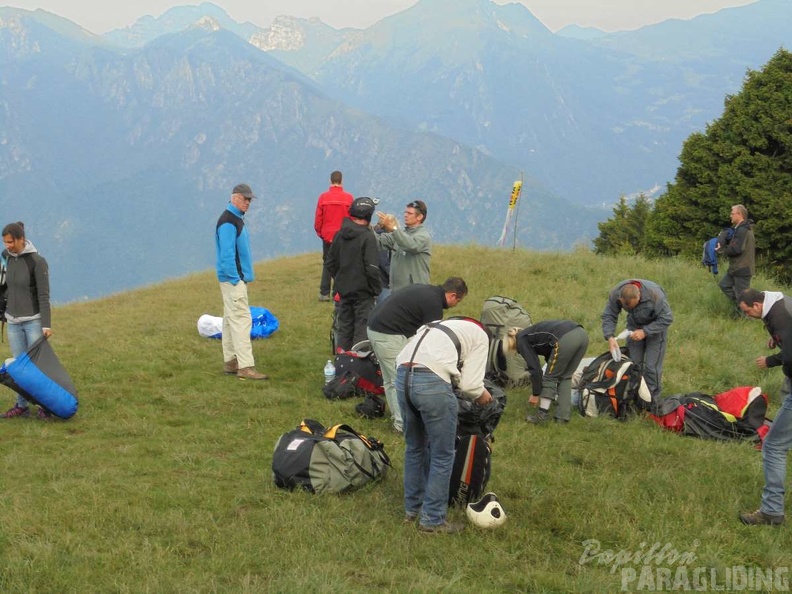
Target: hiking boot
(17, 411)
(758, 518)
(250, 373)
(43, 415)
(231, 367)
(325, 298)
(539, 418)
(410, 518)
(444, 528)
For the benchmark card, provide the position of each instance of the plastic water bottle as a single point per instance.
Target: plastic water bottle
(616, 351)
(329, 371)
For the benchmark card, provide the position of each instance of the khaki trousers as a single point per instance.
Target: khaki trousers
(237, 323)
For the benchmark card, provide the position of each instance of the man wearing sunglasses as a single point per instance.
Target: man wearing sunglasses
(235, 271)
(411, 246)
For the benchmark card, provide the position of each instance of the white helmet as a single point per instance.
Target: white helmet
(487, 512)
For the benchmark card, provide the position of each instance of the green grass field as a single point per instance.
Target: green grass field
(161, 483)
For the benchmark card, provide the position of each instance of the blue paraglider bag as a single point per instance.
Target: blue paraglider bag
(39, 376)
(264, 323)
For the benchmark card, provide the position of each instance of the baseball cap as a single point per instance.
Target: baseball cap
(243, 189)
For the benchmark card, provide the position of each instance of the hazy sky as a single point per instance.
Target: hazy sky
(100, 16)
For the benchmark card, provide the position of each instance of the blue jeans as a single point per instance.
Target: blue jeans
(20, 338)
(427, 475)
(774, 455)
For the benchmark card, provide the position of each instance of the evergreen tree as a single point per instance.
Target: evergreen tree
(745, 157)
(624, 234)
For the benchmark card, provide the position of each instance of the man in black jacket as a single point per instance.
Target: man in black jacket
(775, 310)
(353, 261)
(394, 321)
(740, 251)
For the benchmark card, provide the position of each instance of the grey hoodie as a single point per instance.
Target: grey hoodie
(28, 298)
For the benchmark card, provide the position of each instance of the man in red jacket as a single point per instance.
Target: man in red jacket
(331, 209)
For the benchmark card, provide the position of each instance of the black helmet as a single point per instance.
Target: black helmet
(362, 208)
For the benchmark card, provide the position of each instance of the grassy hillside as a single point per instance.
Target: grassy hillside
(161, 483)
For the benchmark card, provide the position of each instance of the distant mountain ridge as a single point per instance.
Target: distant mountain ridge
(176, 19)
(132, 160)
(134, 139)
(442, 66)
(577, 32)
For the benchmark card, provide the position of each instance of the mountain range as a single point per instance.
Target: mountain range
(119, 151)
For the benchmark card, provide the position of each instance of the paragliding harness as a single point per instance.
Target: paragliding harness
(736, 414)
(613, 388)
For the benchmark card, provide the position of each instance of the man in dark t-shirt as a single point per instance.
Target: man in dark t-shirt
(394, 321)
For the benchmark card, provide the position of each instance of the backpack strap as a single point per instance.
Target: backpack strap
(371, 444)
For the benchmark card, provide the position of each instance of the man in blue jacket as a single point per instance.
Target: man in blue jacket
(235, 271)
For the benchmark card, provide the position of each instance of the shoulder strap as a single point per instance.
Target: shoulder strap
(454, 338)
(31, 266)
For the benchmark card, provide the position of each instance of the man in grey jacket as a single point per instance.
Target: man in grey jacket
(411, 246)
(648, 319)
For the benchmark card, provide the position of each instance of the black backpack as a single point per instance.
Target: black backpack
(612, 388)
(473, 419)
(472, 459)
(372, 407)
(357, 374)
(471, 471)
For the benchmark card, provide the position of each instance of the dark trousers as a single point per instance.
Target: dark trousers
(732, 286)
(651, 352)
(352, 320)
(324, 284)
(557, 379)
